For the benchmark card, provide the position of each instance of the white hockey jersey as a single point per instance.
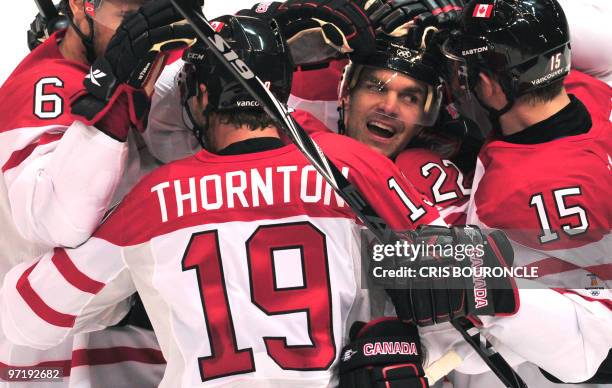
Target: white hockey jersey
(248, 266)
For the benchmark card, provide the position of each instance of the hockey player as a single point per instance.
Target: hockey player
(544, 178)
(65, 155)
(245, 259)
(407, 100)
(388, 100)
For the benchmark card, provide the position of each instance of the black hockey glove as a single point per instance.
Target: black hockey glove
(120, 83)
(448, 283)
(392, 16)
(384, 353)
(342, 24)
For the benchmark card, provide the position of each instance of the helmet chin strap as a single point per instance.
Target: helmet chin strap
(341, 126)
(88, 41)
(197, 129)
(496, 114)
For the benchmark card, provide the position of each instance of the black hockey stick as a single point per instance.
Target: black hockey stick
(47, 9)
(324, 166)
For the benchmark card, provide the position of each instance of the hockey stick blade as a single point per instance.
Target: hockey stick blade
(362, 209)
(494, 360)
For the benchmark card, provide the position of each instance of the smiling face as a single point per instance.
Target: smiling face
(384, 110)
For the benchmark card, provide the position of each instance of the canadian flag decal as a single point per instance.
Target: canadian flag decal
(217, 26)
(483, 11)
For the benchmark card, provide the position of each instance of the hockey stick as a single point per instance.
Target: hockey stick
(362, 209)
(47, 9)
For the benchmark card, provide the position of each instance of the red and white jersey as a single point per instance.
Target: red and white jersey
(248, 265)
(440, 180)
(58, 178)
(552, 200)
(59, 175)
(556, 197)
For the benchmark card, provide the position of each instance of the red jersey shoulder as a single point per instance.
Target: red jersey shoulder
(439, 179)
(379, 180)
(350, 152)
(548, 196)
(595, 94)
(38, 92)
(136, 218)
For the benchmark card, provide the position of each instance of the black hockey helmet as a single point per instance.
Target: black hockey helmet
(405, 55)
(259, 44)
(409, 56)
(524, 43)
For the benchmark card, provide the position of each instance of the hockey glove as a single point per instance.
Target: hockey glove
(451, 279)
(342, 24)
(119, 85)
(394, 16)
(383, 353)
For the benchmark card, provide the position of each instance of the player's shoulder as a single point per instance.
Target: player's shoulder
(169, 172)
(38, 91)
(137, 217)
(47, 61)
(518, 187)
(416, 157)
(561, 156)
(350, 151)
(595, 94)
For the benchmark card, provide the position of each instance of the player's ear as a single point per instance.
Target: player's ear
(202, 96)
(486, 86)
(78, 14)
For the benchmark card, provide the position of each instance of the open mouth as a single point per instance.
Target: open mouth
(381, 129)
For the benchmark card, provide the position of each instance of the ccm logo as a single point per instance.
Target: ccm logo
(232, 57)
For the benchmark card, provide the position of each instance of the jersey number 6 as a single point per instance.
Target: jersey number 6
(48, 105)
(203, 256)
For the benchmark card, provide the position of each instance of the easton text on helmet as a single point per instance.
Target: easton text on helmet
(473, 51)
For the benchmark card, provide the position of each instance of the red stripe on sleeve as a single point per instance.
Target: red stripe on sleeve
(114, 355)
(73, 275)
(38, 306)
(551, 266)
(20, 155)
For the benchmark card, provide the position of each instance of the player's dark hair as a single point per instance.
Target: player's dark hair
(545, 94)
(254, 119)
